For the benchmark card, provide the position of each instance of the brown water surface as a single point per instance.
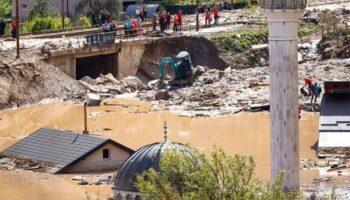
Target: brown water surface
(136, 124)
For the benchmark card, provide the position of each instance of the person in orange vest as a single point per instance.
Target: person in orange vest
(216, 15)
(14, 29)
(176, 24)
(179, 18)
(308, 82)
(207, 17)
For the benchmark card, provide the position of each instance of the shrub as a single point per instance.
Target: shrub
(240, 41)
(218, 176)
(46, 23)
(84, 21)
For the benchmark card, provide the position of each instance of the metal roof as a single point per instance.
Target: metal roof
(61, 148)
(334, 125)
(143, 159)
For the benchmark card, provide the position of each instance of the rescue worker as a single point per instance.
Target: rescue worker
(179, 18)
(308, 83)
(14, 29)
(176, 24)
(207, 16)
(216, 15)
(314, 92)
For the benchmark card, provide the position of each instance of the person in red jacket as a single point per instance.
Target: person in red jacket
(179, 18)
(216, 15)
(176, 24)
(14, 29)
(308, 82)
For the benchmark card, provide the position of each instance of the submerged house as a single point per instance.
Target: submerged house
(70, 152)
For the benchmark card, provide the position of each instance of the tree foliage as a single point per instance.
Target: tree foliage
(218, 177)
(89, 7)
(41, 9)
(5, 8)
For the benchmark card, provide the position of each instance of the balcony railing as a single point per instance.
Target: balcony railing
(283, 4)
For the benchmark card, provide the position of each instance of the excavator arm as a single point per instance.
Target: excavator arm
(167, 61)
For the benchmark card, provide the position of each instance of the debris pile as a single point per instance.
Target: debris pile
(107, 85)
(334, 47)
(12, 163)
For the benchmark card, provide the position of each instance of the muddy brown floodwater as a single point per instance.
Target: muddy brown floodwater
(136, 124)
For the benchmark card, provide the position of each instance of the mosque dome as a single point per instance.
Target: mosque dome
(143, 159)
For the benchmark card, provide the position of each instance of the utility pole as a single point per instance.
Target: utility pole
(283, 17)
(62, 1)
(85, 131)
(197, 16)
(17, 29)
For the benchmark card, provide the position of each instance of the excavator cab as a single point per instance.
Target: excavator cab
(184, 67)
(181, 66)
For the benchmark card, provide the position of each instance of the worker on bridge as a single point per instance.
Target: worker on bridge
(216, 15)
(179, 18)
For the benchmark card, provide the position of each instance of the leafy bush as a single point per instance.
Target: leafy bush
(46, 23)
(84, 21)
(5, 8)
(240, 41)
(196, 176)
(306, 29)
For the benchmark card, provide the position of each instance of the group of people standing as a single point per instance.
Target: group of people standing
(208, 16)
(165, 19)
(141, 12)
(101, 18)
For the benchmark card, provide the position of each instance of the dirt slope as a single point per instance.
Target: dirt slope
(29, 80)
(202, 52)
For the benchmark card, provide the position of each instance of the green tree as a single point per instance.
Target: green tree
(41, 9)
(5, 8)
(90, 7)
(184, 175)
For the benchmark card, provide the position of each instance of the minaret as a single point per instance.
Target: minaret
(283, 17)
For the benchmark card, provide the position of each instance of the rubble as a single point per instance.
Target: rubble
(15, 163)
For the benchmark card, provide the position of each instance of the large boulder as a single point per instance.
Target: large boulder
(134, 82)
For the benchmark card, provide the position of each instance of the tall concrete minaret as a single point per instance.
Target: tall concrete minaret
(283, 17)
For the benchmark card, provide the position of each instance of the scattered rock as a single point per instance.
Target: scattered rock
(162, 95)
(134, 82)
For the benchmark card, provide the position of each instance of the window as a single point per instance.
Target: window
(24, 6)
(106, 154)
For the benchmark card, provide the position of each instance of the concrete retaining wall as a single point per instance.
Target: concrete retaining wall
(127, 59)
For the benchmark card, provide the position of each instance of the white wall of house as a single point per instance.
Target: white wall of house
(96, 162)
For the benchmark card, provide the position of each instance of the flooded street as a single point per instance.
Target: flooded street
(136, 124)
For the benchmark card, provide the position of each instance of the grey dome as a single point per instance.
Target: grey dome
(143, 159)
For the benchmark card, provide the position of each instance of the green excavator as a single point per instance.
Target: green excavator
(183, 72)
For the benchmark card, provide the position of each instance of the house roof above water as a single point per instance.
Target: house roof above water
(335, 121)
(60, 148)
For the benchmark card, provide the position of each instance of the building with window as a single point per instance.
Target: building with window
(70, 152)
